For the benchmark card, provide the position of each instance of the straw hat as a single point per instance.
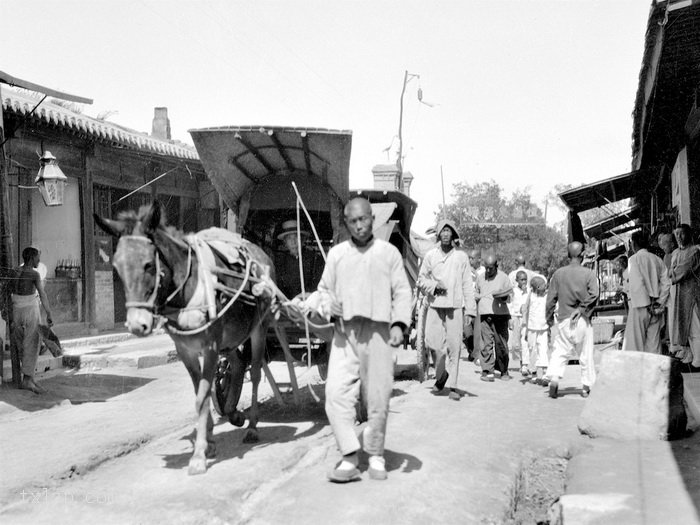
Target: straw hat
(290, 228)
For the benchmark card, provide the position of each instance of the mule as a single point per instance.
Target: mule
(160, 270)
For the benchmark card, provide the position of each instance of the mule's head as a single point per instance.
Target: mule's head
(138, 264)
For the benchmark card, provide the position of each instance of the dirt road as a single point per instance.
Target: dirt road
(124, 459)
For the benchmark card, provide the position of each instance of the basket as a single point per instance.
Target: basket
(602, 330)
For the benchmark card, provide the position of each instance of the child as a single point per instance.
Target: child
(515, 307)
(534, 325)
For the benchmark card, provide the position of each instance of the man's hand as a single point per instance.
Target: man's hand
(395, 336)
(573, 320)
(468, 320)
(336, 309)
(49, 320)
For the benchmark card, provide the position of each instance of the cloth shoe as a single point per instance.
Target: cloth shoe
(344, 472)
(440, 383)
(377, 468)
(525, 372)
(585, 391)
(454, 395)
(553, 389)
(489, 378)
(506, 377)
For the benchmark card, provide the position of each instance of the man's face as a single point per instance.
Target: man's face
(291, 244)
(446, 236)
(681, 236)
(491, 268)
(359, 222)
(665, 243)
(522, 281)
(475, 261)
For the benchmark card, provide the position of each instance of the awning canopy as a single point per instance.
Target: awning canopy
(237, 158)
(604, 192)
(605, 228)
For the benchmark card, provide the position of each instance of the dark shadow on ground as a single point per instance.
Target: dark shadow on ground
(687, 454)
(230, 445)
(394, 461)
(72, 387)
(568, 391)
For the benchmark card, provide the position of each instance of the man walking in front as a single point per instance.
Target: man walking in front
(445, 278)
(493, 291)
(27, 292)
(575, 289)
(649, 288)
(365, 286)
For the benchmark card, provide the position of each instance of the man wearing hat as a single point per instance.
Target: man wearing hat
(287, 262)
(446, 280)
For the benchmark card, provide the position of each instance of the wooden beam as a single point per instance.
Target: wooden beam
(239, 167)
(31, 86)
(254, 151)
(307, 155)
(282, 152)
(88, 233)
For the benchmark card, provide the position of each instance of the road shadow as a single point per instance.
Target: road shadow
(230, 445)
(71, 387)
(568, 391)
(394, 461)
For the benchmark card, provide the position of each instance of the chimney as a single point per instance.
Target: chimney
(161, 124)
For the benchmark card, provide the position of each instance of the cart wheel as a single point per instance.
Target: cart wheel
(422, 353)
(221, 385)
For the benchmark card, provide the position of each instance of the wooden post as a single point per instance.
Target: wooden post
(87, 206)
(7, 258)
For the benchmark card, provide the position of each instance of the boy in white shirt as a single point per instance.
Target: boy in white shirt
(535, 330)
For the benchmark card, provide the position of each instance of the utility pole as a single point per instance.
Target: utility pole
(399, 160)
(442, 185)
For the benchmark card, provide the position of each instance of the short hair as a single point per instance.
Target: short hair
(520, 272)
(28, 253)
(640, 239)
(356, 200)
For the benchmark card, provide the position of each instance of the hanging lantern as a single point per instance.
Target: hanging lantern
(50, 180)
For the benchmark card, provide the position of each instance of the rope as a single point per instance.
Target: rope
(221, 313)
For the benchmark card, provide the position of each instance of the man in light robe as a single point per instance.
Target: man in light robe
(684, 313)
(648, 292)
(445, 278)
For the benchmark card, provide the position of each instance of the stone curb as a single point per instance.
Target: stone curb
(135, 359)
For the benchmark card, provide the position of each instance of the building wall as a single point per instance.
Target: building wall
(68, 231)
(56, 230)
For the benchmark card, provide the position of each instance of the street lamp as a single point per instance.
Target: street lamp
(50, 180)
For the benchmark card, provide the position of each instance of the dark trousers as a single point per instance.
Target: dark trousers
(493, 353)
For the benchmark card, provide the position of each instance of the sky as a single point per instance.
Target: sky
(528, 93)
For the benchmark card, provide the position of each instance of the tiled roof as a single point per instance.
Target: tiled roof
(22, 104)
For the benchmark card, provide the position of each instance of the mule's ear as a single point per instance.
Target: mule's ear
(152, 219)
(114, 228)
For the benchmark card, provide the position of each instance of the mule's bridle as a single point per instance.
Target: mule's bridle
(150, 303)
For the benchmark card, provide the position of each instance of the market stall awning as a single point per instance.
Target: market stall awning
(605, 228)
(604, 192)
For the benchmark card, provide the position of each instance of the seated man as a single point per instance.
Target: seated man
(287, 262)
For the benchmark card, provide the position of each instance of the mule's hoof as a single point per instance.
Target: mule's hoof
(197, 466)
(237, 419)
(251, 437)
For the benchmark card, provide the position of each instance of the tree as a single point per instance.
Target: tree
(506, 226)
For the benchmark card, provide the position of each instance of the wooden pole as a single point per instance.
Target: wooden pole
(7, 258)
(442, 185)
(399, 160)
